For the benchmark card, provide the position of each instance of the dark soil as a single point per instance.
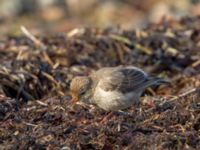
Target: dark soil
(35, 107)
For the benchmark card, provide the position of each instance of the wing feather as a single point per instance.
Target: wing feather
(127, 79)
(124, 79)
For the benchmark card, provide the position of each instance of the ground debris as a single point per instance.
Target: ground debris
(35, 107)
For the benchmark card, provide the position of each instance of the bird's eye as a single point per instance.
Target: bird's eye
(82, 92)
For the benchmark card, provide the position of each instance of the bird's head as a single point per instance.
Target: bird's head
(80, 88)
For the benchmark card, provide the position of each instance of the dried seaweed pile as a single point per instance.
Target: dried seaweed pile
(35, 110)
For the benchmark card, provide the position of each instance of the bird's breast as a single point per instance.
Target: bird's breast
(114, 100)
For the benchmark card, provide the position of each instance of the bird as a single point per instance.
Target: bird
(113, 88)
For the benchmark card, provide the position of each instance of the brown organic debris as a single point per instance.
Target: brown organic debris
(35, 72)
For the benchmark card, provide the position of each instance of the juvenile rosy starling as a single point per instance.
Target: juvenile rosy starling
(113, 88)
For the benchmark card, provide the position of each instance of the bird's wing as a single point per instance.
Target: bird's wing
(126, 79)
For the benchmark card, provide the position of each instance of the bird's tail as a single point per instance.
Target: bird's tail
(153, 81)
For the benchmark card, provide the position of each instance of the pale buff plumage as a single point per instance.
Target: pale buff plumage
(112, 88)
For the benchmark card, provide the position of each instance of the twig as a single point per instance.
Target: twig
(120, 39)
(33, 38)
(41, 103)
(38, 43)
(181, 95)
(59, 107)
(16, 87)
(51, 78)
(76, 31)
(30, 124)
(175, 98)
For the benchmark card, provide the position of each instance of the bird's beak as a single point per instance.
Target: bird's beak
(75, 98)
